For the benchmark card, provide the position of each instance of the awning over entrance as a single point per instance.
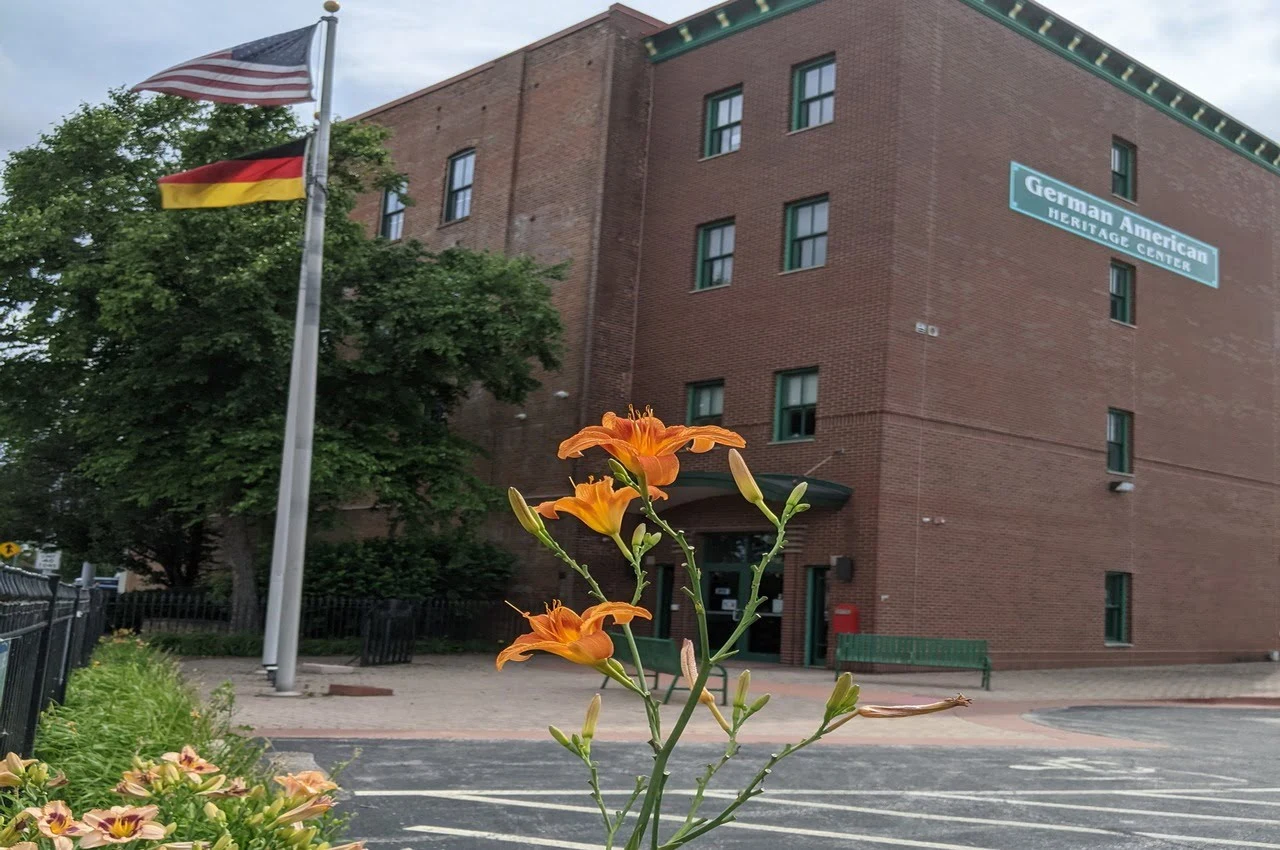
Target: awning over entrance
(776, 486)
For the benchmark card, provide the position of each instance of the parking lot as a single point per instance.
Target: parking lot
(1213, 782)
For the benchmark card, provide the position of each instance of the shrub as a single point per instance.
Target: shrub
(414, 568)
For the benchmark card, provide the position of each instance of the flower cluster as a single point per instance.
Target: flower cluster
(644, 459)
(180, 793)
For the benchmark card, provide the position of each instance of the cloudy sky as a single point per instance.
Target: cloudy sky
(55, 54)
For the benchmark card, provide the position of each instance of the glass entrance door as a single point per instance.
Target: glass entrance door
(727, 589)
(817, 619)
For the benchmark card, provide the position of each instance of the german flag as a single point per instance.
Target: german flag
(270, 175)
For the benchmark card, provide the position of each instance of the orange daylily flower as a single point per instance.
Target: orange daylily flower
(309, 809)
(645, 445)
(308, 783)
(562, 632)
(55, 821)
(121, 825)
(597, 504)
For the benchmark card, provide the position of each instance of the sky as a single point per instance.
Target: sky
(56, 54)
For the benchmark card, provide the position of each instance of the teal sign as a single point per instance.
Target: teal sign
(1063, 205)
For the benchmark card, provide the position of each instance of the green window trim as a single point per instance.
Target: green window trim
(723, 132)
(1123, 294)
(1118, 613)
(796, 406)
(1119, 441)
(807, 222)
(705, 403)
(1124, 167)
(391, 224)
(716, 243)
(813, 93)
(461, 179)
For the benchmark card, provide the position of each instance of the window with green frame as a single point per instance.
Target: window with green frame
(724, 122)
(706, 403)
(813, 88)
(1117, 616)
(462, 176)
(1124, 161)
(715, 254)
(797, 405)
(392, 224)
(1119, 441)
(1122, 292)
(807, 234)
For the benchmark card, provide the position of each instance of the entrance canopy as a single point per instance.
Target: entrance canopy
(776, 486)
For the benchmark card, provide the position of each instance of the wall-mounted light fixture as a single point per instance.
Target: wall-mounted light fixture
(561, 393)
(522, 416)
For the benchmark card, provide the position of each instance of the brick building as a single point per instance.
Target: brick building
(1003, 294)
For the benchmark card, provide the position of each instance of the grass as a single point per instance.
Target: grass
(131, 700)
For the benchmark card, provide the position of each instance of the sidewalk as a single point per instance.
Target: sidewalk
(463, 697)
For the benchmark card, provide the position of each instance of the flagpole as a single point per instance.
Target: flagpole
(309, 352)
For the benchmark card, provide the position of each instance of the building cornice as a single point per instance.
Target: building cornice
(1030, 20)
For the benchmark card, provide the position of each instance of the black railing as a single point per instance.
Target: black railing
(179, 612)
(47, 629)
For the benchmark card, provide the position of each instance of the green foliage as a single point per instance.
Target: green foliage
(193, 644)
(145, 358)
(413, 568)
(132, 701)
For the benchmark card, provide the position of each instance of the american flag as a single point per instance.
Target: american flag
(271, 71)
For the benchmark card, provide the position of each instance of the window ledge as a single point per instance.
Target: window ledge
(1112, 644)
(1124, 324)
(445, 224)
(1121, 474)
(718, 155)
(711, 288)
(792, 442)
(1130, 201)
(811, 127)
(805, 269)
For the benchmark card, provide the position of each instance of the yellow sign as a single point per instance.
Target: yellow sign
(9, 550)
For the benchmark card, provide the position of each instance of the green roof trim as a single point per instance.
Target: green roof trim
(1037, 23)
(714, 24)
(1031, 20)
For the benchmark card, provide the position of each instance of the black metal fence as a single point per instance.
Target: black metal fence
(47, 629)
(177, 612)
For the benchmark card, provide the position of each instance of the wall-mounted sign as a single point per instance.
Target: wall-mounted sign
(1076, 211)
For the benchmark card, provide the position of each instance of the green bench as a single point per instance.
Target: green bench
(914, 652)
(661, 655)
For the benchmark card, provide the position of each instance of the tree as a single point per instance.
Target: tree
(157, 343)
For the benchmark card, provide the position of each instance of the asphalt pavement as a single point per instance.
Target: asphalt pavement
(1213, 781)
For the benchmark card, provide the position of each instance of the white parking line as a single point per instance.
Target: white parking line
(946, 795)
(829, 792)
(1221, 842)
(1164, 795)
(756, 827)
(503, 836)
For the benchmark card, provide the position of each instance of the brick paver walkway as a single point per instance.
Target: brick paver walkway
(464, 697)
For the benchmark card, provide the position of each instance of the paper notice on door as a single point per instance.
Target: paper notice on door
(728, 605)
(777, 605)
(723, 591)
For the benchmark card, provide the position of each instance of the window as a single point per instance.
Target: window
(462, 173)
(807, 234)
(814, 94)
(1122, 294)
(1116, 629)
(1124, 158)
(797, 405)
(715, 254)
(392, 226)
(706, 403)
(724, 122)
(1119, 441)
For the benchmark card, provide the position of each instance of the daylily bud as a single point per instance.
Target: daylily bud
(620, 472)
(222, 843)
(744, 685)
(562, 739)
(652, 540)
(213, 813)
(593, 717)
(637, 536)
(913, 710)
(742, 477)
(529, 520)
(839, 694)
(759, 704)
(797, 494)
